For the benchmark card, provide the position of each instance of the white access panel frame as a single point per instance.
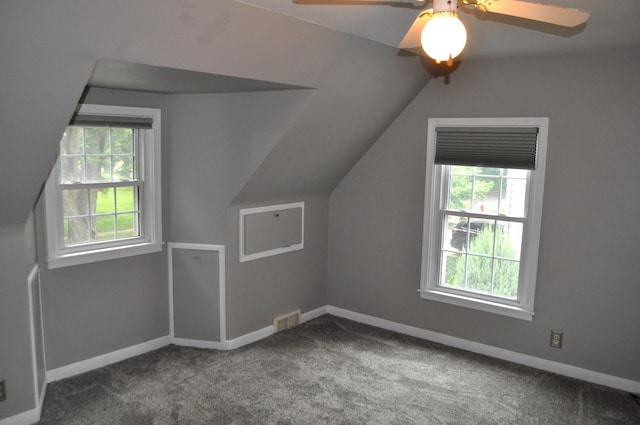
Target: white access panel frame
(244, 212)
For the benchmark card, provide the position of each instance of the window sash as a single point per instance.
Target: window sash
(441, 283)
(137, 182)
(138, 209)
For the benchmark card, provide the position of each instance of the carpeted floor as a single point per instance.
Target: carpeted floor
(330, 371)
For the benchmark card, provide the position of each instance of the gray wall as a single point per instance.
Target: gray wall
(17, 255)
(259, 290)
(211, 145)
(217, 141)
(587, 279)
(97, 308)
(47, 61)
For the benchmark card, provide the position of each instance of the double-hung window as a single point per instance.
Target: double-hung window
(103, 195)
(483, 209)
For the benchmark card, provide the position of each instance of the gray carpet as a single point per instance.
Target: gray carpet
(330, 371)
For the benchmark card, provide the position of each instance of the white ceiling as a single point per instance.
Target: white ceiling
(613, 23)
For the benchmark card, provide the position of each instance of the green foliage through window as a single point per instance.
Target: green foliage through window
(470, 184)
(480, 269)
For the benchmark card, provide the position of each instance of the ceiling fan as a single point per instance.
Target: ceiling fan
(441, 35)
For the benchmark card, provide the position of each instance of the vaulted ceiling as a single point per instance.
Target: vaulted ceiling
(50, 51)
(611, 24)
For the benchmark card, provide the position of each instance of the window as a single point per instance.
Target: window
(103, 195)
(483, 209)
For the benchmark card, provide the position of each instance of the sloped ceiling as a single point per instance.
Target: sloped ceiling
(113, 74)
(611, 24)
(49, 50)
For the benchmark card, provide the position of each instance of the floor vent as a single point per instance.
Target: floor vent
(286, 321)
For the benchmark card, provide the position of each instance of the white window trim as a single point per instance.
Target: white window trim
(431, 242)
(242, 256)
(151, 241)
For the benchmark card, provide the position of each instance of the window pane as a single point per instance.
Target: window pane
(509, 240)
(125, 201)
(460, 234)
(104, 228)
(479, 274)
(486, 183)
(505, 278)
(122, 168)
(514, 192)
(460, 186)
(97, 141)
(122, 140)
(127, 225)
(71, 142)
(98, 168)
(75, 202)
(76, 230)
(102, 201)
(71, 169)
(454, 270)
(482, 237)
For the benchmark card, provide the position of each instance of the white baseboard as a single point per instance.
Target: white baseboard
(238, 342)
(312, 314)
(106, 359)
(249, 338)
(487, 350)
(198, 343)
(25, 418)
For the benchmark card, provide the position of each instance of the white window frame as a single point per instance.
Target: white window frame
(434, 230)
(150, 239)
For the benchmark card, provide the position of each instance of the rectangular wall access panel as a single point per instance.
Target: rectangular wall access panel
(271, 230)
(196, 294)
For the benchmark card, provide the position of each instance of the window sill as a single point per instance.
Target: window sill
(477, 304)
(85, 257)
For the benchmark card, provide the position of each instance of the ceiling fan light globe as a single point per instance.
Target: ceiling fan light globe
(443, 37)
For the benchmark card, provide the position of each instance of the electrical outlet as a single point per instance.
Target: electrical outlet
(3, 390)
(556, 339)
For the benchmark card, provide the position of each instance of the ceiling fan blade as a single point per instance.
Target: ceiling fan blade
(411, 39)
(536, 12)
(411, 4)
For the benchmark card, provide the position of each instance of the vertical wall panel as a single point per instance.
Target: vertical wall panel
(196, 294)
(38, 336)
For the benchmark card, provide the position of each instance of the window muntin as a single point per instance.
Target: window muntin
(103, 196)
(481, 231)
